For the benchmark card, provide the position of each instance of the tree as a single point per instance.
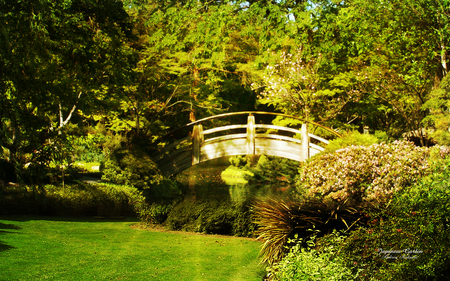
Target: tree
(304, 62)
(296, 86)
(188, 61)
(57, 54)
(439, 118)
(399, 51)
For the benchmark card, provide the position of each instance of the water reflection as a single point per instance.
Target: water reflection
(206, 182)
(215, 204)
(239, 193)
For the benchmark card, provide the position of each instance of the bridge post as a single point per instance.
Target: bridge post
(251, 135)
(197, 139)
(305, 142)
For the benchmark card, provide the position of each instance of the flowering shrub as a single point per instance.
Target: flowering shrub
(371, 173)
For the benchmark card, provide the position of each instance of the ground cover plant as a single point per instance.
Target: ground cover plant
(49, 248)
(313, 263)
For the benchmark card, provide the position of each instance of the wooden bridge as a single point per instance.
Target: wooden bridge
(201, 145)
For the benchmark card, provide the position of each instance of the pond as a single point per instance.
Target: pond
(206, 182)
(216, 204)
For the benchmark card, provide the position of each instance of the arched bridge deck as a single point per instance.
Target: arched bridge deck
(201, 145)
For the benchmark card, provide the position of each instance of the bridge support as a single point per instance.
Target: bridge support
(197, 140)
(305, 142)
(251, 135)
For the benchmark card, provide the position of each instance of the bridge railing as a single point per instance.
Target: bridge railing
(203, 145)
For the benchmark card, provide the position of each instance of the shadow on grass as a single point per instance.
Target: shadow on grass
(5, 229)
(94, 219)
(5, 247)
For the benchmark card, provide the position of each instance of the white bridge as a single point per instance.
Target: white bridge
(201, 145)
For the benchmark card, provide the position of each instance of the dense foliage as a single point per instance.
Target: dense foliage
(268, 169)
(145, 67)
(409, 240)
(211, 216)
(131, 167)
(349, 139)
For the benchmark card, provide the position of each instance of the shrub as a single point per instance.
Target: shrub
(165, 192)
(349, 139)
(311, 263)
(99, 199)
(154, 213)
(239, 161)
(268, 169)
(372, 173)
(131, 167)
(211, 216)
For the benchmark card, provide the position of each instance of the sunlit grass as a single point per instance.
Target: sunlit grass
(73, 249)
(89, 166)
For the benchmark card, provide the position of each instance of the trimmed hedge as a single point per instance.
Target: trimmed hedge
(73, 200)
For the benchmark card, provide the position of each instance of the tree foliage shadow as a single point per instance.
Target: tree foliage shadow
(4, 229)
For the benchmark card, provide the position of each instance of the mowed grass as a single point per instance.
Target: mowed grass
(47, 248)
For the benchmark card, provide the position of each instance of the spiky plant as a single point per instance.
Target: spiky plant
(275, 226)
(279, 219)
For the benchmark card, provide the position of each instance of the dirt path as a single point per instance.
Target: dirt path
(90, 179)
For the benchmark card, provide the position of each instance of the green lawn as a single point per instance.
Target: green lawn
(48, 248)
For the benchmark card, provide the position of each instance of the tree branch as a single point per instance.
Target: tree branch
(63, 123)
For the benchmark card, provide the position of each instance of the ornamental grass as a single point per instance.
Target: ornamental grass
(280, 219)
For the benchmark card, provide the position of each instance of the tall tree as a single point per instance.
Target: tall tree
(54, 56)
(400, 52)
(188, 59)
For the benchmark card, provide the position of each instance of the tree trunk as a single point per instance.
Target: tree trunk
(137, 117)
